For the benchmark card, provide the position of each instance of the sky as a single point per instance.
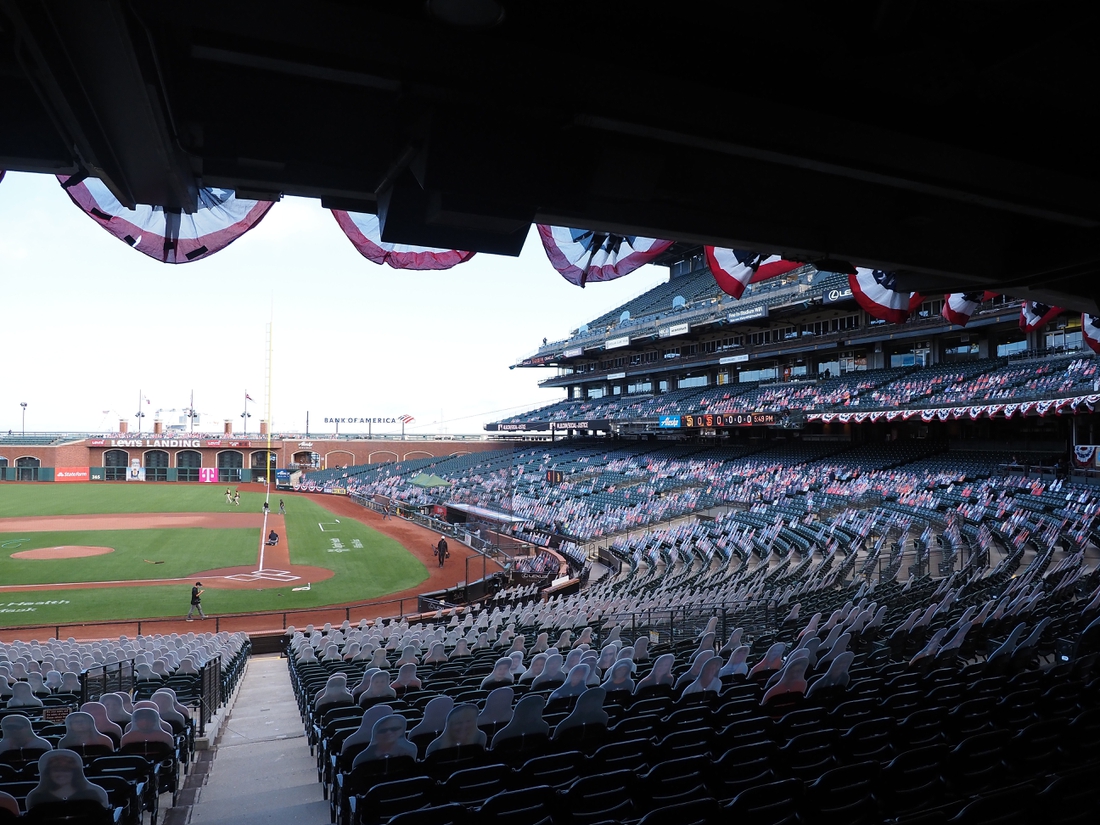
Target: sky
(90, 325)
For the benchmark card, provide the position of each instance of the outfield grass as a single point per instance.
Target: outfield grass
(371, 571)
(64, 499)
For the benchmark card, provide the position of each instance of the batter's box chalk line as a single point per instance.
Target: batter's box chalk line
(265, 575)
(333, 526)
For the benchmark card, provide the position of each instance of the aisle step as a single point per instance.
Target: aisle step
(262, 771)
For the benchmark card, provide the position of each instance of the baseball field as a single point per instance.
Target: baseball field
(97, 552)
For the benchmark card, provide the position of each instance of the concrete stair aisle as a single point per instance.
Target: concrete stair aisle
(261, 771)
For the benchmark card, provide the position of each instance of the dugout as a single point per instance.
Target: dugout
(457, 513)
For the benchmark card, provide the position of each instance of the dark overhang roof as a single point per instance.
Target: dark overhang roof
(950, 141)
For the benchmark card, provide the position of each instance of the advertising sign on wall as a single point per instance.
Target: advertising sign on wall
(208, 475)
(748, 313)
(675, 329)
(72, 474)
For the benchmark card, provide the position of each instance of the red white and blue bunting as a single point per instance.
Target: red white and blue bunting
(874, 290)
(1034, 315)
(581, 255)
(169, 237)
(959, 306)
(365, 234)
(1084, 454)
(1061, 406)
(735, 269)
(1090, 331)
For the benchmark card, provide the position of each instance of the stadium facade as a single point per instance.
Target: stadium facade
(222, 459)
(799, 354)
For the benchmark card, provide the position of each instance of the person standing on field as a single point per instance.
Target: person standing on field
(228, 496)
(196, 602)
(282, 508)
(441, 550)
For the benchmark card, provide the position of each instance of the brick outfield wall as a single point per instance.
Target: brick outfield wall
(331, 451)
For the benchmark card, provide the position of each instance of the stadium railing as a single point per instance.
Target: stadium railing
(262, 622)
(107, 678)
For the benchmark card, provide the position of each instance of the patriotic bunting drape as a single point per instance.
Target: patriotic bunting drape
(735, 269)
(365, 234)
(1090, 331)
(169, 237)
(1062, 406)
(1034, 315)
(959, 306)
(874, 290)
(581, 255)
(1084, 454)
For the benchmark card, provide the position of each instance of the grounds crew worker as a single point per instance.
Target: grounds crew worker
(196, 602)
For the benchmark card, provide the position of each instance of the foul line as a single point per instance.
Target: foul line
(263, 542)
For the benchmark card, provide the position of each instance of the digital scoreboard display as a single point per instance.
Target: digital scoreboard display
(709, 421)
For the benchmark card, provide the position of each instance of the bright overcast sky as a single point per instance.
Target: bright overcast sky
(89, 323)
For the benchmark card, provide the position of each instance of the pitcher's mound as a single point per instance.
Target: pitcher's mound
(65, 551)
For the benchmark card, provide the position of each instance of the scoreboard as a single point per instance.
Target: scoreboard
(710, 421)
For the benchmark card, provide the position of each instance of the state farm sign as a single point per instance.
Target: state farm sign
(71, 474)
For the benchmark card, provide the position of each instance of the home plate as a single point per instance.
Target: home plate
(265, 575)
